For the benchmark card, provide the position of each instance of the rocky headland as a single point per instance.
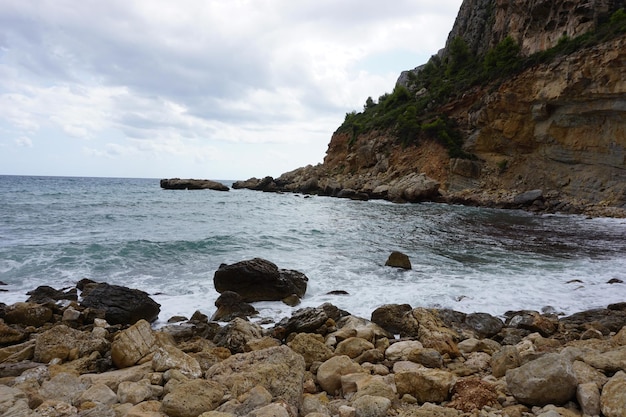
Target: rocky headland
(91, 351)
(544, 117)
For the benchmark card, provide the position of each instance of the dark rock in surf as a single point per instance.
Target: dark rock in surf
(192, 184)
(308, 320)
(389, 316)
(45, 294)
(528, 197)
(259, 280)
(230, 305)
(398, 260)
(121, 305)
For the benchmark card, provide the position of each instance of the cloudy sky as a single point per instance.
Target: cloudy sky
(221, 89)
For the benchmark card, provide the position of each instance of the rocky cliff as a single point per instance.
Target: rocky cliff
(554, 126)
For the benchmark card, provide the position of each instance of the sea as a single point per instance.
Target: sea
(56, 231)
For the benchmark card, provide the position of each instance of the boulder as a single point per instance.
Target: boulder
(308, 320)
(97, 393)
(533, 321)
(193, 397)
(353, 326)
(121, 305)
(9, 335)
(45, 294)
(425, 384)
(613, 398)
(483, 324)
(132, 344)
(550, 379)
(413, 188)
(503, 360)
(62, 387)
(257, 397)
(170, 357)
(311, 347)
(259, 280)
(237, 334)
(28, 314)
(588, 396)
(398, 260)
(528, 197)
(66, 343)
(400, 351)
(230, 305)
(192, 184)
(278, 369)
(353, 347)
(330, 372)
(371, 406)
(389, 316)
(429, 329)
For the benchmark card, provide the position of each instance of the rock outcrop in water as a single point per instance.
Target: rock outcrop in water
(556, 124)
(192, 184)
(318, 362)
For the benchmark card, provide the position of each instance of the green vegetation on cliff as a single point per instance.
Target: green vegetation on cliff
(414, 113)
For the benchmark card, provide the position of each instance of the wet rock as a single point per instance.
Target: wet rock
(528, 197)
(278, 369)
(308, 320)
(398, 260)
(121, 305)
(9, 334)
(485, 325)
(533, 321)
(389, 316)
(259, 280)
(45, 294)
(28, 314)
(230, 305)
(549, 379)
(192, 184)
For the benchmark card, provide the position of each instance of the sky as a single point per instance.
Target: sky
(219, 89)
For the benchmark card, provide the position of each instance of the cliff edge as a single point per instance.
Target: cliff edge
(524, 107)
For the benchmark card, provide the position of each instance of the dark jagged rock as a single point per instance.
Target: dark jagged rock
(44, 294)
(192, 184)
(259, 280)
(121, 305)
(398, 260)
(308, 320)
(230, 305)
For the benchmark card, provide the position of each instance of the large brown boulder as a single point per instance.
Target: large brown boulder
(549, 379)
(121, 305)
(259, 280)
(279, 370)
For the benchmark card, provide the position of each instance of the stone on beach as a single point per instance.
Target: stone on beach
(259, 280)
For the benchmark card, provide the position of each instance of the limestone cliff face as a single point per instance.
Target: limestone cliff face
(536, 25)
(559, 127)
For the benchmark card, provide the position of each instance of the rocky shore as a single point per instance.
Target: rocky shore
(98, 355)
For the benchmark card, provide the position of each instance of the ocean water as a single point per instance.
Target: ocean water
(57, 230)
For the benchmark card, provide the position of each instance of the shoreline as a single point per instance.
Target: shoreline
(320, 361)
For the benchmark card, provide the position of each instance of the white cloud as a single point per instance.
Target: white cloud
(186, 78)
(24, 142)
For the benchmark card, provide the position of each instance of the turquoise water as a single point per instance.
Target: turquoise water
(56, 230)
